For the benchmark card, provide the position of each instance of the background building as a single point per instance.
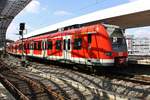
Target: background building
(138, 46)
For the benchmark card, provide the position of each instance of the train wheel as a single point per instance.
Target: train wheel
(92, 69)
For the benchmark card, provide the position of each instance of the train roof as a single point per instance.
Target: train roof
(98, 16)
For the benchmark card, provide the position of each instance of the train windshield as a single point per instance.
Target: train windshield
(117, 39)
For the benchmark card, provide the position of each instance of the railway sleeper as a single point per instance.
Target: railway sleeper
(95, 80)
(35, 87)
(12, 89)
(47, 88)
(65, 76)
(63, 86)
(90, 87)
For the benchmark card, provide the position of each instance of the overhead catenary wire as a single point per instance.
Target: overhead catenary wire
(90, 5)
(76, 12)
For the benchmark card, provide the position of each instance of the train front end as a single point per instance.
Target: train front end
(119, 47)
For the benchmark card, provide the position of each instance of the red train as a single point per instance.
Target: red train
(96, 44)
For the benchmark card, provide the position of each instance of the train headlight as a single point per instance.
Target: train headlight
(108, 53)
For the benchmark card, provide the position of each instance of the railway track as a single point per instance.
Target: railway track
(76, 85)
(65, 88)
(115, 73)
(125, 76)
(69, 89)
(91, 82)
(28, 88)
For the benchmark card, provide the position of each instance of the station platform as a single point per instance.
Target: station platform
(4, 94)
(137, 59)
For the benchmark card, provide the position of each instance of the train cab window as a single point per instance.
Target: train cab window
(77, 43)
(39, 45)
(49, 45)
(58, 44)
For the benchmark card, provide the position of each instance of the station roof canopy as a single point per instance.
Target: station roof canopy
(129, 15)
(8, 10)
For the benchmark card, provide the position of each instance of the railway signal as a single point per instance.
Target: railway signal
(22, 26)
(21, 31)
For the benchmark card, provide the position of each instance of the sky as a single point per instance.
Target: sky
(42, 13)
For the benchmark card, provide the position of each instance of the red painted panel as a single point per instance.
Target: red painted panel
(104, 42)
(98, 45)
(37, 52)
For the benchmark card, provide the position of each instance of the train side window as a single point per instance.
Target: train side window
(31, 46)
(58, 44)
(46, 45)
(49, 45)
(35, 47)
(64, 44)
(28, 46)
(77, 43)
(24, 46)
(43, 45)
(89, 38)
(68, 44)
(39, 45)
(20, 47)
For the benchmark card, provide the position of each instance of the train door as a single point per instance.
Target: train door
(31, 48)
(44, 50)
(67, 47)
